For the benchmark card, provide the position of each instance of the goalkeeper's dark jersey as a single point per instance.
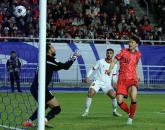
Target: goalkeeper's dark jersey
(51, 65)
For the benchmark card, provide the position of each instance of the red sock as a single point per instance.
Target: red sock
(124, 107)
(133, 107)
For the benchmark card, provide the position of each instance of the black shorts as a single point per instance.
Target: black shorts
(34, 90)
(48, 95)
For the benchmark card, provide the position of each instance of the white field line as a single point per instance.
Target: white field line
(161, 113)
(9, 127)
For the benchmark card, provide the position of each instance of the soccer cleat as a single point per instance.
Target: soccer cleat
(129, 121)
(48, 125)
(27, 124)
(117, 114)
(84, 114)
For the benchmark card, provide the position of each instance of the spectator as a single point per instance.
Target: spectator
(67, 18)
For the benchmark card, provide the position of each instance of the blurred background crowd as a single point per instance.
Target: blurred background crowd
(85, 19)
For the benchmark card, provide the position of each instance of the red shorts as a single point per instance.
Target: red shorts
(124, 84)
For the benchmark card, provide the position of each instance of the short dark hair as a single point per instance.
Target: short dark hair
(135, 38)
(48, 47)
(110, 49)
(13, 52)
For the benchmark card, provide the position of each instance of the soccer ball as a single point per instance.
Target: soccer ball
(20, 11)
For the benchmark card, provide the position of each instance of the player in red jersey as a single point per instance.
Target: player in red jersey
(128, 77)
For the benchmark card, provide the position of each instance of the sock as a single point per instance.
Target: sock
(35, 114)
(114, 104)
(124, 106)
(88, 104)
(133, 107)
(54, 111)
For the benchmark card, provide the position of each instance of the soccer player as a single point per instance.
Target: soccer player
(13, 66)
(51, 65)
(102, 81)
(128, 77)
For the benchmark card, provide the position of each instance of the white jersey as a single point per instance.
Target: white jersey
(100, 69)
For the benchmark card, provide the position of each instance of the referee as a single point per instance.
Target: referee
(51, 65)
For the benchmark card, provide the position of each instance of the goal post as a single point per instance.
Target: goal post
(42, 64)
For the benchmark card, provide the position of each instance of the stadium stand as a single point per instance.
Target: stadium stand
(113, 19)
(157, 9)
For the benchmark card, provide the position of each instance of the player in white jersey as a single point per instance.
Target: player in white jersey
(102, 81)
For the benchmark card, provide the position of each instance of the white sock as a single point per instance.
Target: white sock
(88, 104)
(114, 104)
(46, 120)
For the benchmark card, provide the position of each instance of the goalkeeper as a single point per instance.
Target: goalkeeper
(51, 65)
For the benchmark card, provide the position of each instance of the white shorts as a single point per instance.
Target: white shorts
(105, 87)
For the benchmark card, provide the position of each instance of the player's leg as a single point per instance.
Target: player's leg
(122, 104)
(121, 91)
(55, 109)
(112, 94)
(91, 93)
(33, 117)
(93, 89)
(133, 95)
(12, 81)
(53, 104)
(34, 92)
(114, 80)
(17, 81)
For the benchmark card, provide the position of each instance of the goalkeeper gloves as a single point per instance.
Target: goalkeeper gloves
(75, 55)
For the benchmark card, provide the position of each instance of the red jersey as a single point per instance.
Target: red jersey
(128, 62)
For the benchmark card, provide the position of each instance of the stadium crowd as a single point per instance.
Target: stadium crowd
(100, 19)
(157, 8)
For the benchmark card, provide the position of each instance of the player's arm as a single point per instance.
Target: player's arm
(114, 76)
(109, 71)
(56, 65)
(115, 69)
(117, 58)
(59, 65)
(91, 71)
(69, 63)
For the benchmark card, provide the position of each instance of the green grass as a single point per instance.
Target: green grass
(19, 106)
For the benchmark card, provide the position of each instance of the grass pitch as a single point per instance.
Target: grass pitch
(16, 107)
